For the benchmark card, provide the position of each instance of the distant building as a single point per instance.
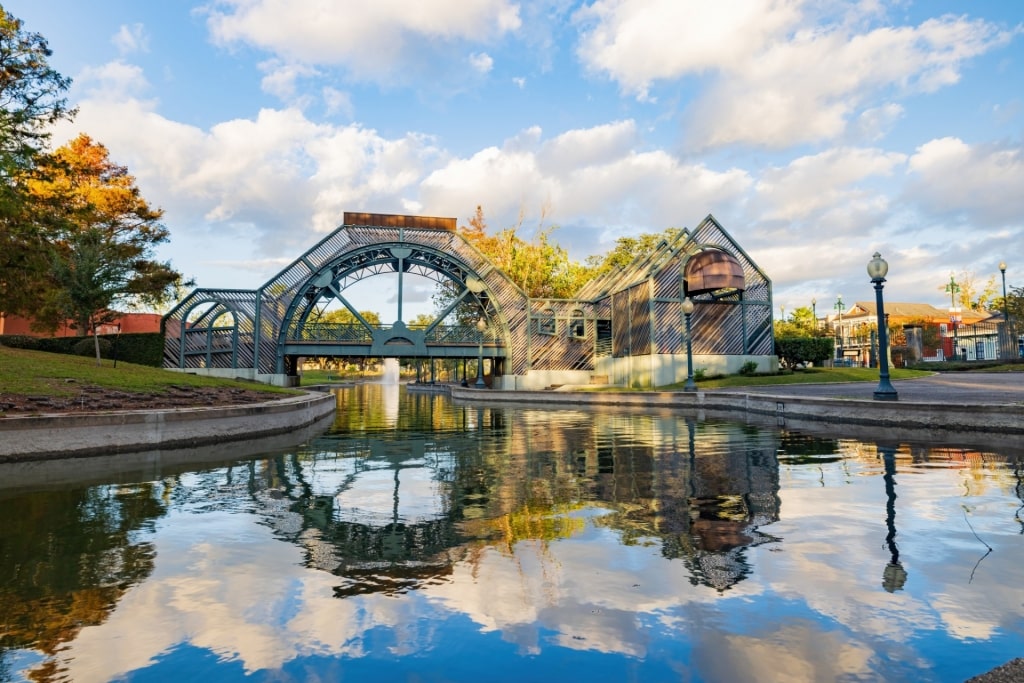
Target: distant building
(128, 323)
(946, 334)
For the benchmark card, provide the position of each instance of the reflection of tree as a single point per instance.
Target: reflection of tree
(66, 558)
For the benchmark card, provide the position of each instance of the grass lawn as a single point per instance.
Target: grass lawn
(34, 373)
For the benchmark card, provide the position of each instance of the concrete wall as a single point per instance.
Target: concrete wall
(947, 421)
(664, 369)
(49, 436)
(635, 371)
(241, 373)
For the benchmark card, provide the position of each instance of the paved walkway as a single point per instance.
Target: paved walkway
(956, 388)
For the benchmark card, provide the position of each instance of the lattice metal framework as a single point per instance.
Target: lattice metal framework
(631, 311)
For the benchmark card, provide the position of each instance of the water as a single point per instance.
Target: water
(423, 541)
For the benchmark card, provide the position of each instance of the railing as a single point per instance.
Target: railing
(355, 333)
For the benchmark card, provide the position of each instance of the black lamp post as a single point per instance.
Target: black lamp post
(877, 270)
(690, 385)
(814, 313)
(1006, 306)
(481, 327)
(839, 306)
(953, 288)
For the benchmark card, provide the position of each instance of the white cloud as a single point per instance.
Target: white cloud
(481, 62)
(778, 75)
(130, 39)
(111, 81)
(982, 183)
(588, 177)
(280, 77)
(338, 102)
(813, 184)
(372, 41)
(636, 42)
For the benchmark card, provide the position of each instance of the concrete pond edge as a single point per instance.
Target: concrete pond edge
(106, 433)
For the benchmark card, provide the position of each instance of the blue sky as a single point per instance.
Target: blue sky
(816, 132)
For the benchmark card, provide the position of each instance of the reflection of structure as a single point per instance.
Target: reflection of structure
(387, 514)
(894, 575)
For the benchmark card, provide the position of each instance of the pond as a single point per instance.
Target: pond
(421, 540)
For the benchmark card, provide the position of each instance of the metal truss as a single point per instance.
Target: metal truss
(630, 311)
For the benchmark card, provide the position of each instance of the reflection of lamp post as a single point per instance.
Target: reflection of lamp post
(894, 575)
(690, 385)
(839, 307)
(481, 327)
(877, 269)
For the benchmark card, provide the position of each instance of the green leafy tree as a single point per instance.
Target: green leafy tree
(343, 316)
(801, 323)
(627, 249)
(540, 267)
(1014, 306)
(793, 351)
(968, 293)
(32, 99)
(102, 256)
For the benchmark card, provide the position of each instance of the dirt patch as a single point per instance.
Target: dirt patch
(90, 399)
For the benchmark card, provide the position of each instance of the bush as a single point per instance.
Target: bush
(87, 347)
(795, 350)
(749, 368)
(141, 349)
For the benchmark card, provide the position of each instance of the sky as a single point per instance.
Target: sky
(817, 132)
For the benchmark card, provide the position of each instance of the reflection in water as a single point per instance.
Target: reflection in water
(475, 542)
(894, 575)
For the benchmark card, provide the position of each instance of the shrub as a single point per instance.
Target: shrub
(87, 347)
(795, 350)
(749, 368)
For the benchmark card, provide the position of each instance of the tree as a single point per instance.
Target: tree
(102, 253)
(1014, 305)
(343, 316)
(801, 323)
(540, 267)
(628, 249)
(967, 293)
(31, 100)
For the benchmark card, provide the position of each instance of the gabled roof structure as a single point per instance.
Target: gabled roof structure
(636, 310)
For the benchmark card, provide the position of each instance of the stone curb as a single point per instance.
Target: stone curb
(106, 433)
(1003, 419)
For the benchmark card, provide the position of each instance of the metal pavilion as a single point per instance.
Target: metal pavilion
(623, 328)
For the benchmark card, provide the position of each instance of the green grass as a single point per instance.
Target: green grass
(35, 373)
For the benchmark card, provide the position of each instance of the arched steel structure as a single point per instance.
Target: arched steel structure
(630, 312)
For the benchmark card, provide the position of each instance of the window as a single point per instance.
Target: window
(577, 325)
(546, 322)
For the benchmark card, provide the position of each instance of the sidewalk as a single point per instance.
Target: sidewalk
(953, 388)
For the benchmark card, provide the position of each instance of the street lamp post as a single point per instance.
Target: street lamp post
(953, 288)
(814, 313)
(690, 385)
(877, 270)
(481, 327)
(839, 306)
(1006, 306)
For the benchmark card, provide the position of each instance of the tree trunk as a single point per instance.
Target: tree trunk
(96, 341)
